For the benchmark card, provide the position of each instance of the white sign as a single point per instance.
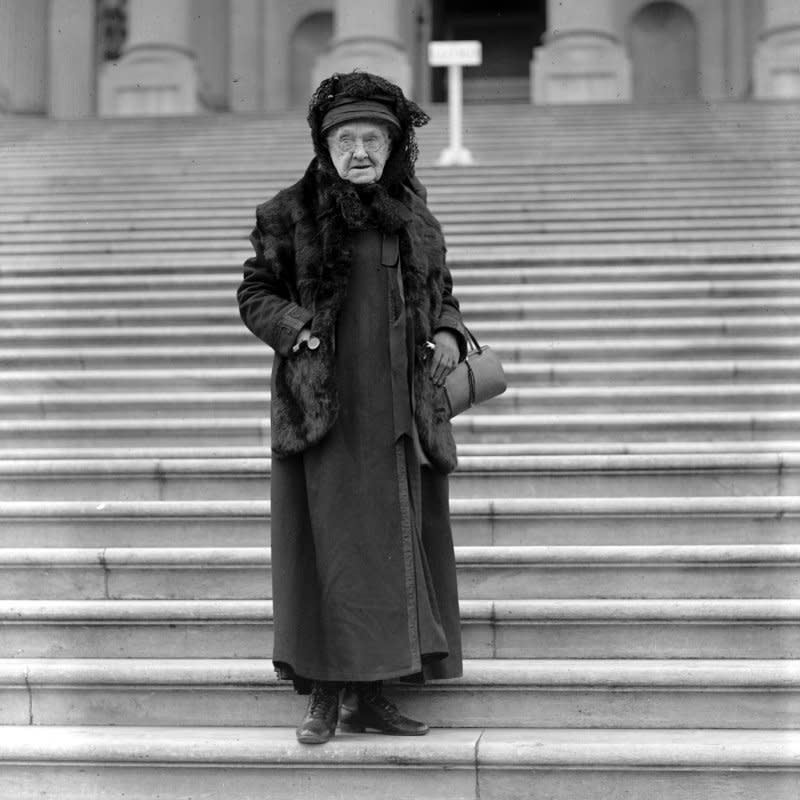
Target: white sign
(451, 54)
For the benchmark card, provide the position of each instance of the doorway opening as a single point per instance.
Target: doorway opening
(508, 31)
(311, 37)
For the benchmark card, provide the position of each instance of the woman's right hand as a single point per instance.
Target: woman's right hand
(302, 338)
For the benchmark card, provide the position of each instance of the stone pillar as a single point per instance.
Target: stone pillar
(582, 59)
(71, 65)
(776, 64)
(246, 55)
(23, 56)
(367, 36)
(6, 53)
(157, 73)
(737, 49)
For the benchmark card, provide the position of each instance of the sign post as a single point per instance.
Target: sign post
(454, 56)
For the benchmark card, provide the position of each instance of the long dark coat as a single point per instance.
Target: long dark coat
(363, 569)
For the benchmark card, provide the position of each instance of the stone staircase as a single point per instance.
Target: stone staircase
(626, 515)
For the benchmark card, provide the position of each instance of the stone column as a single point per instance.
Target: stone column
(6, 53)
(71, 66)
(246, 55)
(367, 36)
(776, 64)
(276, 37)
(583, 59)
(23, 56)
(737, 49)
(157, 73)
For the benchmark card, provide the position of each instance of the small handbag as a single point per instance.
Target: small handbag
(478, 378)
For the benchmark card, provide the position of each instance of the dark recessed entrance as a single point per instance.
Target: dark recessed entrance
(508, 29)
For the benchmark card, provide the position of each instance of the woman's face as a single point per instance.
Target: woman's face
(359, 150)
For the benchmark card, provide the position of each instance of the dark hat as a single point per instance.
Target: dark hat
(346, 109)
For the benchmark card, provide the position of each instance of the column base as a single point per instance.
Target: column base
(149, 81)
(378, 56)
(455, 157)
(776, 66)
(580, 68)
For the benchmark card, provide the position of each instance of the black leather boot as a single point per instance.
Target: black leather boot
(364, 707)
(319, 723)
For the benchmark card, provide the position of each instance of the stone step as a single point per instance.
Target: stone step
(60, 215)
(739, 281)
(716, 132)
(28, 477)
(146, 270)
(507, 304)
(235, 163)
(764, 225)
(653, 145)
(473, 426)
(753, 212)
(232, 212)
(782, 239)
(609, 373)
(214, 325)
(493, 123)
(484, 573)
(240, 193)
(211, 403)
(141, 763)
(540, 448)
(577, 694)
(647, 147)
(455, 211)
(534, 316)
(61, 352)
(563, 628)
(675, 171)
(476, 521)
(663, 120)
(718, 129)
(229, 212)
(679, 177)
(449, 194)
(236, 169)
(581, 251)
(234, 159)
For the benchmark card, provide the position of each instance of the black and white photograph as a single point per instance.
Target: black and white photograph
(399, 400)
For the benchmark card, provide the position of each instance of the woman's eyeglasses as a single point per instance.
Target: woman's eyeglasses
(349, 144)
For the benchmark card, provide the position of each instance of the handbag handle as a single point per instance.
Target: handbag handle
(471, 339)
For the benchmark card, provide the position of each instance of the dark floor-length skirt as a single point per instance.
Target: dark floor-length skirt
(364, 577)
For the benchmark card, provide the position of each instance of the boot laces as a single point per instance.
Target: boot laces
(322, 700)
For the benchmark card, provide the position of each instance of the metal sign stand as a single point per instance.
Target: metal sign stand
(455, 56)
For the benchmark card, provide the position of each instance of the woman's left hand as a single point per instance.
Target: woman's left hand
(445, 357)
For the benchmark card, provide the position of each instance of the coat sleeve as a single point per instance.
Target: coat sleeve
(265, 298)
(450, 317)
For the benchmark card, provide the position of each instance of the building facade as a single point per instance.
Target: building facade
(78, 58)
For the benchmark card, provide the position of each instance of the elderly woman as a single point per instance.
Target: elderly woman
(349, 287)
